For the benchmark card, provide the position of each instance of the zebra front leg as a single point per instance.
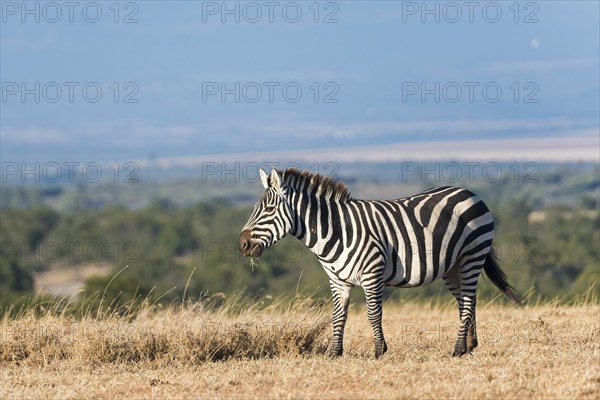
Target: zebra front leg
(374, 297)
(341, 299)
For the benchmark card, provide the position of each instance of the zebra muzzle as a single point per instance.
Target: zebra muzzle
(247, 247)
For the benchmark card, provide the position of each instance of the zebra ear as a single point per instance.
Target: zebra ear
(275, 179)
(264, 178)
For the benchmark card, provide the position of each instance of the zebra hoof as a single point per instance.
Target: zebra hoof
(380, 349)
(334, 352)
(459, 352)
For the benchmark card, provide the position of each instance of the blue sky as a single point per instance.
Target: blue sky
(361, 76)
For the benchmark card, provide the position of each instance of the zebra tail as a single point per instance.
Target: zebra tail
(498, 277)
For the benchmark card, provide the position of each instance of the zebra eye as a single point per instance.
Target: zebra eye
(269, 209)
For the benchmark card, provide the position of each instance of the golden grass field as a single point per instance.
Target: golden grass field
(254, 351)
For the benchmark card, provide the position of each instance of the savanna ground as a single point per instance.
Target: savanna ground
(254, 351)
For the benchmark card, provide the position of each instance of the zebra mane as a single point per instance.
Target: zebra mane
(321, 184)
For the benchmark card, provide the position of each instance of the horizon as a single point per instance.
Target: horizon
(157, 80)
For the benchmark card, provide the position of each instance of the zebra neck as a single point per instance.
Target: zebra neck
(319, 222)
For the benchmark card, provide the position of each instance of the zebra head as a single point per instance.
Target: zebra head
(271, 219)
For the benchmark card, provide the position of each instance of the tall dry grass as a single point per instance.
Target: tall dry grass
(190, 333)
(237, 348)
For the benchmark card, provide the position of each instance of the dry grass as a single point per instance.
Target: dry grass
(250, 351)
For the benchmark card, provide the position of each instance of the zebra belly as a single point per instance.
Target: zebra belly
(419, 268)
(337, 272)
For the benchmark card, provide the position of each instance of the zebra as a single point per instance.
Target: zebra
(444, 232)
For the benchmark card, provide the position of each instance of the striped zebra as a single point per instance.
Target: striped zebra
(444, 232)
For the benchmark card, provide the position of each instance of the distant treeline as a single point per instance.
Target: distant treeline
(541, 184)
(165, 248)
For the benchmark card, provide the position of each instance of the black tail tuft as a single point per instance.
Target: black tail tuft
(498, 277)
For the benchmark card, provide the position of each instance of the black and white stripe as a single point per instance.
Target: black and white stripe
(444, 232)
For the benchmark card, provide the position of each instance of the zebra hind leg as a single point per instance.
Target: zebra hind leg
(463, 286)
(472, 333)
(467, 338)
